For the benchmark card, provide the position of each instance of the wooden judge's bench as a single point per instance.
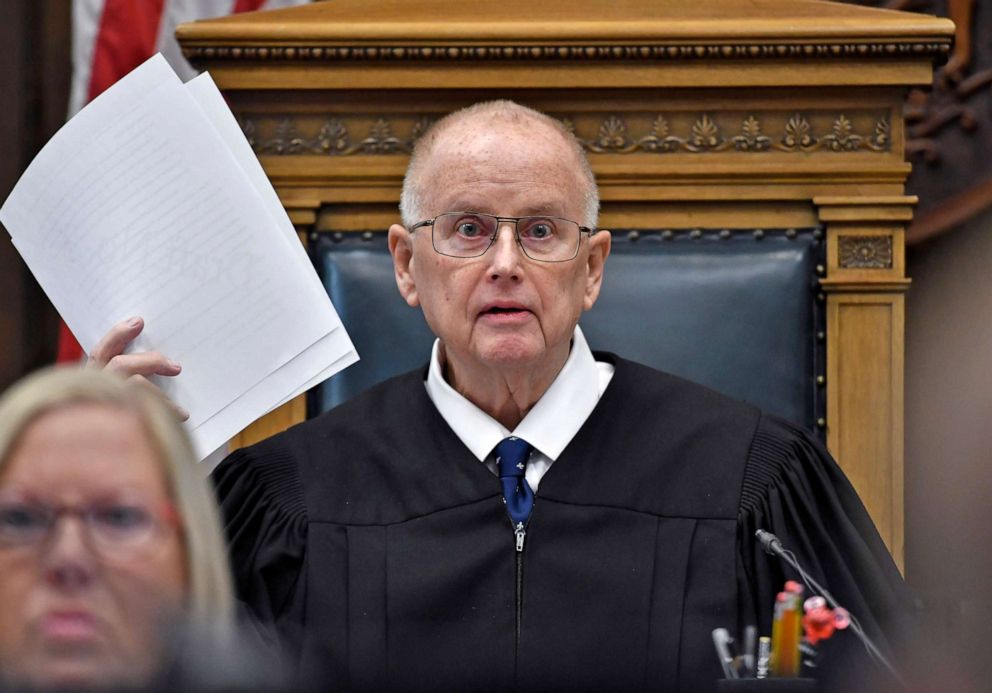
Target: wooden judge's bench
(695, 115)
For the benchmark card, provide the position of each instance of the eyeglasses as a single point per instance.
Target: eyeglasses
(471, 234)
(115, 529)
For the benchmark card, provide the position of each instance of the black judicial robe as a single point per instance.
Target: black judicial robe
(377, 549)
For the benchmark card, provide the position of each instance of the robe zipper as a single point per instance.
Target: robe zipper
(520, 533)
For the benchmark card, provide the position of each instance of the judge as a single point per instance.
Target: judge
(525, 513)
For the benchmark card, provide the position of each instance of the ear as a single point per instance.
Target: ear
(599, 249)
(401, 248)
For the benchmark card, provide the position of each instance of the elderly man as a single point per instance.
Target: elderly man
(524, 513)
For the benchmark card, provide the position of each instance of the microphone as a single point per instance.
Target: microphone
(769, 542)
(772, 545)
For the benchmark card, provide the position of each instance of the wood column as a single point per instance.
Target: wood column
(864, 289)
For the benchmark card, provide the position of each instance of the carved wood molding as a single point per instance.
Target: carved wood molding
(884, 209)
(527, 52)
(875, 287)
(285, 135)
(706, 135)
(865, 252)
(333, 138)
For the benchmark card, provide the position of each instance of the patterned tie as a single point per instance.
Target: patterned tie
(511, 460)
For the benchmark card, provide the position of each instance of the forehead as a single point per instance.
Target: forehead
(509, 169)
(83, 448)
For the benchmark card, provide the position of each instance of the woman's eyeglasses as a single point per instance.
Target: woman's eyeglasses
(115, 528)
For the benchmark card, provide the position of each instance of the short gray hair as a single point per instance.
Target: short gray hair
(500, 111)
(210, 597)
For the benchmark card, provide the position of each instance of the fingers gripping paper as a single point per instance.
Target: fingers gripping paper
(150, 202)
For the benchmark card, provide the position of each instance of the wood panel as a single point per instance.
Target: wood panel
(276, 421)
(864, 403)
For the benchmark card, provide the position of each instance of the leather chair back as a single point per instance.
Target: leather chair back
(735, 311)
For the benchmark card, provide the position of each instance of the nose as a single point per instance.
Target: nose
(68, 561)
(505, 255)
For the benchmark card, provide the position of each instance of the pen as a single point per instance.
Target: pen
(747, 653)
(721, 641)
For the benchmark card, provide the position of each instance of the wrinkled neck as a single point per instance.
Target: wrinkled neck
(505, 392)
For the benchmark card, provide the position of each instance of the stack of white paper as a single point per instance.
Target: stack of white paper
(150, 202)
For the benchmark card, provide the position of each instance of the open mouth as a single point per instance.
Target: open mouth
(503, 313)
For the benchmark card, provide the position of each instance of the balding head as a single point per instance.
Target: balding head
(484, 120)
(504, 315)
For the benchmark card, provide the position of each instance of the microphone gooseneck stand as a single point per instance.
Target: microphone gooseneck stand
(773, 546)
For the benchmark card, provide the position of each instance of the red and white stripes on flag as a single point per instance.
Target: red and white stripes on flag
(112, 37)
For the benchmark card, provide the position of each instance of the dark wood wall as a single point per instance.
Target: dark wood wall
(34, 89)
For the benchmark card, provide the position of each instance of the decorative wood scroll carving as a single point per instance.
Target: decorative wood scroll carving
(865, 252)
(960, 79)
(949, 124)
(707, 133)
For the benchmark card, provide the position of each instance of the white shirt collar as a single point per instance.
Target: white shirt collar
(549, 426)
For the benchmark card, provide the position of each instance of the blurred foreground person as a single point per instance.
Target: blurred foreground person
(109, 535)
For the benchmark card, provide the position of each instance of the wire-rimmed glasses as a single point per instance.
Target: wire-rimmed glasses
(116, 528)
(471, 234)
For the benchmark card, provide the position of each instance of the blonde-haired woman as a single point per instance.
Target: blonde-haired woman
(109, 533)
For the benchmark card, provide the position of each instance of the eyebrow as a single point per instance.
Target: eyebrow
(533, 210)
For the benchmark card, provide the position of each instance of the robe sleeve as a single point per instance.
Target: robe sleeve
(793, 488)
(265, 520)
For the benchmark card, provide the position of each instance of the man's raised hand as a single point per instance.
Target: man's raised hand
(108, 355)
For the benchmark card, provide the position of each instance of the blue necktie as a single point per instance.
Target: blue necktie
(511, 461)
